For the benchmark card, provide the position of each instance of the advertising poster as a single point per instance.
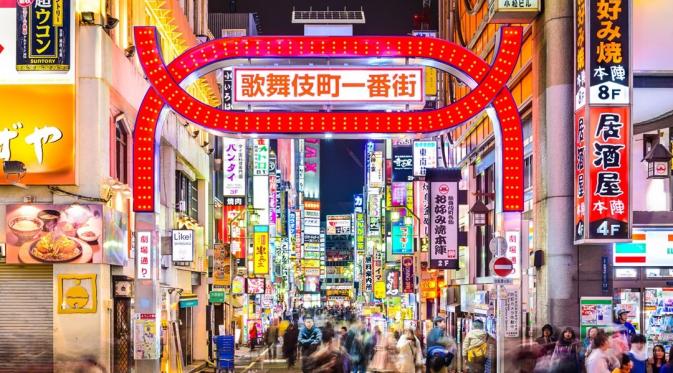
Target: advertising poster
(222, 265)
(52, 234)
(608, 173)
(238, 285)
(338, 225)
(261, 247)
(408, 275)
(43, 35)
(145, 338)
(312, 284)
(37, 141)
(580, 54)
(183, 245)
(255, 285)
(234, 166)
(443, 225)
(595, 311)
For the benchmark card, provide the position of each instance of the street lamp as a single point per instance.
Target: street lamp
(479, 212)
(658, 162)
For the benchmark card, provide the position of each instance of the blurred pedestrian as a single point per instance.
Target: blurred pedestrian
(599, 360)
(271, 339)
(587, 345)
(385, 354)
(252, 336)
(290, 344)
(475, 348)
(657, 360)
(625, 366)
(329, 358)
(309, 339)
(638, 353)
(409, 354)
(547, 340)
(565, 357)
(343, 335)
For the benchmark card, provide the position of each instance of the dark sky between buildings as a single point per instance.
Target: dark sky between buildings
(342, 172)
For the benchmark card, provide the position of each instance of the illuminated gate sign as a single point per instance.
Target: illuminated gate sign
(487, 84)
(332, 85)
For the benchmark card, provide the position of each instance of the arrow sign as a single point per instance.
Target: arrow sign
(503, 266)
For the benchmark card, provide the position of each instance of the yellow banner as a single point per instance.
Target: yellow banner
(37, 134)
(380, 289)
(261, 256)
(430, 81)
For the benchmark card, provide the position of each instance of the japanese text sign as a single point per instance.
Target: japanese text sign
(402, 238)
(403, 163)
(234, 166)
(227, 89)
(513, 253)
(425, 156)
(368, 275)
(511, 303)
(222, 265)
(392, 282)
(255, 285)
(43, 35)
(580, 159)
(261, 247)
(443, 225)
(144, 255)
(580, 54)
(37, 135)
(408, 275)
(260, 157)
(608, 51)
(329, 85)
(338, 225)
(607, 187)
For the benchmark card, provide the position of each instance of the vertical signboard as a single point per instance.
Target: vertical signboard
(260, 166)
(369, 274)
(608, 173)
(602, 124)
(227, 82)
(144, 255)
(43, 35)
(261, 253)
(402, 160)
(422, 208)
(512, 310)
(408, 275)
(392, 282)
(222, 270)
(233, 166)
(402, 239)
(443, 218)
(513, 253)
(312, 168)
(425, 156)
(376, 169)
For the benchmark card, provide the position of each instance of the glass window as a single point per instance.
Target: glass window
(121, 151)
(658, 272)
(528, 172)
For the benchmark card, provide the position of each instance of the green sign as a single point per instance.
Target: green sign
(216, 297)
(187, 303)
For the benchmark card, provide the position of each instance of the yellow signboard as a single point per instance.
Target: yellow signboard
(37, 134)
(77, 293)
(430, 81)
(261, 255)
(310, 263)
(380, 289)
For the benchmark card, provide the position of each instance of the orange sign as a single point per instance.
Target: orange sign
(37, 134)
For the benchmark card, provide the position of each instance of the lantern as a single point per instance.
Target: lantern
(479, 213)
(658, 162)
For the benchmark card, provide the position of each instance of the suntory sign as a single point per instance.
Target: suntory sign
(334, 85)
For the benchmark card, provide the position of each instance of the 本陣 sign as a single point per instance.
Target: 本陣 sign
(443, 225)
(261, 247)
(608, 51)
(607, 163)
(233, 166)
(37, 134)
(43, 35)
(334, 85)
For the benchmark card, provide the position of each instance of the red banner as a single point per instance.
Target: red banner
(234, 229)
(608, 173)
(408, 275)
(580, 177)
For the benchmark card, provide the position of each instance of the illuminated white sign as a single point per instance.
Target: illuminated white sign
(425, 156)
(329, 85)
(183, 245)
(233, 166)
(144, 255)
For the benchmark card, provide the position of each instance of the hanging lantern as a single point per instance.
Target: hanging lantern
(658, 162)
(479, 213)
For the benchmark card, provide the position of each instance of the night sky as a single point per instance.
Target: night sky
(342, 161)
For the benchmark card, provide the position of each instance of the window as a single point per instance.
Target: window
(186, 195)
(649, 142)
(121, 150)
(528, 172)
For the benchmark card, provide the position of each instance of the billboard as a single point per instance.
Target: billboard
(260, 198)
(234, 166)
(261, 250)
(408, 275)
(338, 225)
(333, 85)
(255, 285)
(444, 225)
(403, 161)
(222, 265)
(260, 157)
(425, 156)
(312, 168)
(52, 234)
(402, 238)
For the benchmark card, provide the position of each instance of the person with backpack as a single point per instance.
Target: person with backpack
(475, 348)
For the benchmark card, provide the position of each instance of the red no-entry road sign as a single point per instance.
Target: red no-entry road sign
(503, 266)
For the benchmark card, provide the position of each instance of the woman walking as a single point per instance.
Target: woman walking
(290, 344)
(409, 354)
(385, 355)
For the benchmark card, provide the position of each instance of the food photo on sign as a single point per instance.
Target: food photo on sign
(51, 234)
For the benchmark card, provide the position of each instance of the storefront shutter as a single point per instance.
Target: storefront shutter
(26, 318)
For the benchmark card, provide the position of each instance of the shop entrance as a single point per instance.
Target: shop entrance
(650, 311)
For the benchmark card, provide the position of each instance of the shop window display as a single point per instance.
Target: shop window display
(658, 312)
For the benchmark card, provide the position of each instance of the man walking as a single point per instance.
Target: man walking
(272, 339)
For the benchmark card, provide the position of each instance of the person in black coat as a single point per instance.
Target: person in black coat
(290, 344)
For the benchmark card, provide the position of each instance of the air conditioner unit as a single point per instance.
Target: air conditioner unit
(182, 206)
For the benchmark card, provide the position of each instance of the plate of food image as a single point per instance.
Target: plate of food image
(55, 249)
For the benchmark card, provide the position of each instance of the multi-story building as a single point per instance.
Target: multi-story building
(69, 187)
